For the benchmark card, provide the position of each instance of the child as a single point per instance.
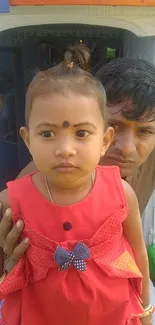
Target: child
(87, 256)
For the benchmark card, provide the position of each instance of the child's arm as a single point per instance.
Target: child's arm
(133, 232)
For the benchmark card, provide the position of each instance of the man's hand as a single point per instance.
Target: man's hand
(10, 239)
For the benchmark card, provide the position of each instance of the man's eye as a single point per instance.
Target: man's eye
(47, 134)
(114, 126)
(82, 134)
(143, 131)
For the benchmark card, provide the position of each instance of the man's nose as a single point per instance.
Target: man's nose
(65, 148)
(126, 143)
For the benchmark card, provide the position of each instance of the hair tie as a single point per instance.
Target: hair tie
(70, 65)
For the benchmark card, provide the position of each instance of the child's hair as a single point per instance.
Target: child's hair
(68, 76)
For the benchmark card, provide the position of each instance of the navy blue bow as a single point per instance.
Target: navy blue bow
(75, 257)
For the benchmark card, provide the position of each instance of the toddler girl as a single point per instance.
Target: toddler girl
(87, 256)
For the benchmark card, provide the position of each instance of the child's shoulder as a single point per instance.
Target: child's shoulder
(109, 172)
(14, 187)
(109, 169)
(19, 186)
(110, 176)
(114, 170)
(19, 183)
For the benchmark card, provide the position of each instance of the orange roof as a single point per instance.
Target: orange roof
(85, 2)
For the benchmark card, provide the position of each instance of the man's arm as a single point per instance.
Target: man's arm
(9, 233)
(9, 236)
(4, 198)
(30, 168)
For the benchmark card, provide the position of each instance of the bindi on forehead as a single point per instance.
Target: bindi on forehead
(65, 124)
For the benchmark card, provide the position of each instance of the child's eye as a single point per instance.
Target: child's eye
(82, 134)
(47, 134)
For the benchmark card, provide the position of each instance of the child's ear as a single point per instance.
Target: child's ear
(107, 140)
(24, 133)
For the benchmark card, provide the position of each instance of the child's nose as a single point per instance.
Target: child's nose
(65, 149)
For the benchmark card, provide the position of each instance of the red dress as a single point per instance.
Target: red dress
(81, 274)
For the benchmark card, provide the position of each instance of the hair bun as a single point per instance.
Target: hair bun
(79, 55)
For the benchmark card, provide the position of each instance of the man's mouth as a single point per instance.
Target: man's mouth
(121, 160)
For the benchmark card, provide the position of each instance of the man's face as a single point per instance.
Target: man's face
(132, 144)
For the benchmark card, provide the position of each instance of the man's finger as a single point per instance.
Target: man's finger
(13, 237)
(1, 210)
(5, 225)
(18, 252)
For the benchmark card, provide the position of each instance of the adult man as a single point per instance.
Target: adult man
(130, 87)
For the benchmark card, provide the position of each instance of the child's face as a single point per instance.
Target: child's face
(66, 136)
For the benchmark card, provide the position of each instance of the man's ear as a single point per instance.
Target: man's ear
(24, 133)
(107, 140)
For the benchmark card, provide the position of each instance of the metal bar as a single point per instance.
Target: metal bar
(85, 2)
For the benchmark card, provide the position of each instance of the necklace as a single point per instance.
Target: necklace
(49, 192)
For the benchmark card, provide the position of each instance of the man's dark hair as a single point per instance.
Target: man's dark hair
(132, 82)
